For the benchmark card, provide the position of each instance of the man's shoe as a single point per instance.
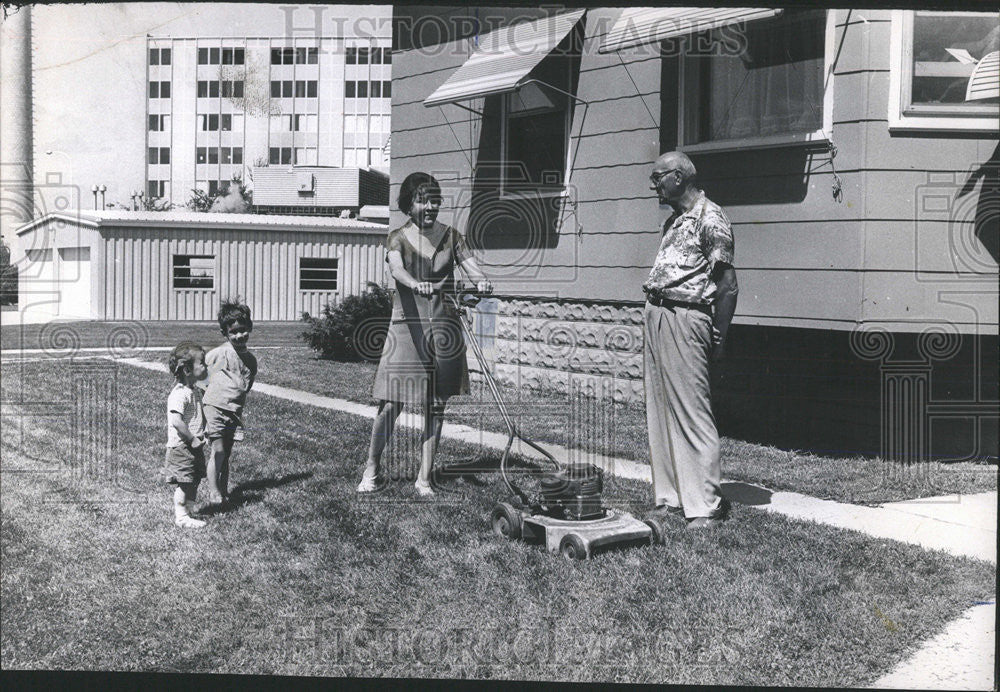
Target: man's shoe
(665, 511)
(704, 523)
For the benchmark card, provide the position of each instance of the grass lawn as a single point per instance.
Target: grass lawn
(620, 430)
(129, 335)
(303, 576)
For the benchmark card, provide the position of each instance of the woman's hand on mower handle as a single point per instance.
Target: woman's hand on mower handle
(424, 288)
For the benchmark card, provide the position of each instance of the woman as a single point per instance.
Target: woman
(423, 360)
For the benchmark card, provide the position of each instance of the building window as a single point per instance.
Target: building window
(159, 90)
(387, 56)
(318, 273)
(156, 189)
(280, 155)
(213, 188)
(158, 155)
(202, 89)
(227, 88)
(275, 90)
(773, 87)
(386, 89)
(238, 89)
(194, 271)
(300, 88)
(935, 78)
(350, 89)
(376, 90)
(312, 56)
(300, 56)
(283, 56)
(203, 56)
(227, 56)
(351, 56)
(159, 123)
(239, 56)
(164, 56)
(154, 56)
(362, 56)
(213, 56)
(238, 155)
(362, 90)
(226, 122)
(213, 154)
(213, 88)
(311, 89)
(376, 56)
(201, 155)
(226, 155)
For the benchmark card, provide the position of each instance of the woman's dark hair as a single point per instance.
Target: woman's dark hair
(411, 186)
(182, 358)
(233, 310)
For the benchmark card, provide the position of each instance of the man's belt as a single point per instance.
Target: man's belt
(661, 302)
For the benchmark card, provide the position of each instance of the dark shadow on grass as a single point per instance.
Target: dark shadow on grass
(746, 493)
(242, 494)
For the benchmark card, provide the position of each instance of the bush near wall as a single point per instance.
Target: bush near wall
(8, 278)
(353, 329)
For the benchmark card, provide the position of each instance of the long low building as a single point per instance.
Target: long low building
(120, 265)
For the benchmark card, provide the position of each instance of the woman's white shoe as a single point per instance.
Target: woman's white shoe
(369, 480)
(423, 488)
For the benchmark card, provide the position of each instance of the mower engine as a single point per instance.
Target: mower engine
(573, 492)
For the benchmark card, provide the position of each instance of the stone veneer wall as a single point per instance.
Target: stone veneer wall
(586, 348)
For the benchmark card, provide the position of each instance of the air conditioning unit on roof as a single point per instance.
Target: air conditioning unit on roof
(305, 182)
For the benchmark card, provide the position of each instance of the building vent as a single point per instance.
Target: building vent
(305, 182)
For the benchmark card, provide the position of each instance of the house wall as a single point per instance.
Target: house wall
(48, 287)
(260, 266)
(812, 268)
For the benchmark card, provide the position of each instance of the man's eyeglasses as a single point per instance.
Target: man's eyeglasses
(657, 177)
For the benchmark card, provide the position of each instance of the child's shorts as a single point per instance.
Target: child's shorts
(220, 423)
(184, 465)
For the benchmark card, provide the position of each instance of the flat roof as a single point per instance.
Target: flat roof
(117, 218)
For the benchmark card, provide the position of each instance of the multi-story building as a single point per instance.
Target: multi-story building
(218, 106)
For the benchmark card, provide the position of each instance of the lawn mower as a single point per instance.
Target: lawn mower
(566, 512)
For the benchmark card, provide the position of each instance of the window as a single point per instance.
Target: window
(275, 90)
(213, 88)
(156, 189)
(154, 90)
(318, 273)
(213, 187)
(275, 56)
(279, 155)
(159, 123)
(164, 56)
(300, 56)
(376, 56)
(194, 271)
(300, 88)
(158, 155)
(376, 90)
(362, 90)
(154, 56)
(286, 89)
(239, 56)
(201, 155)
(351, 56)
(312, 56)
(774, 86)
(238, 155)
(227, 155)
(213, 56)
(203, 56)
(362, 56)
(350, 89)
(213, 155)
(386, 89)
(387, 56)
(933, 56)
(202, 89)
(311, 88)
(226, 122)
(238, 89)
(227, 88)
(227, 56)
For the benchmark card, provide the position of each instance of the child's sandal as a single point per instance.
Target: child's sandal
(369, 481)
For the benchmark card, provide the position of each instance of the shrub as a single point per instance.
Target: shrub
(353, 329)
(8, 278)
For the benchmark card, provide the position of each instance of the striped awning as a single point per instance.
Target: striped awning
(985, 80)
(638, 26)
(504, 59)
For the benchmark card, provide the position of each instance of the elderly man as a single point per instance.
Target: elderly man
(691, 295)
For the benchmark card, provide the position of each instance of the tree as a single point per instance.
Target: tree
(238, 199)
